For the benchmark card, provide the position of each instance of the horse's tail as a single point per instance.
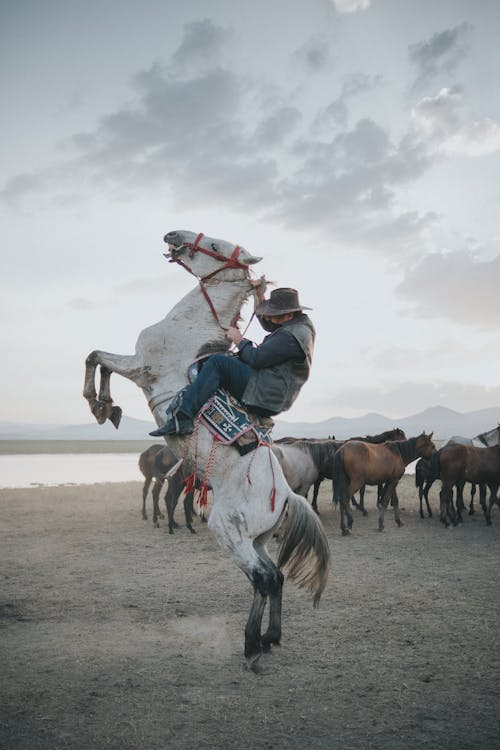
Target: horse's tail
(339, 478)
(303, 551)
(434, 471)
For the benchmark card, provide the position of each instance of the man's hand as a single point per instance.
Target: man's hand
(233, 335)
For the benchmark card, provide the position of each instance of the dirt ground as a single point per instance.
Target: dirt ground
(115, 635)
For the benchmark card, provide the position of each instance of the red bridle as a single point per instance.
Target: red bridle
(232, 262)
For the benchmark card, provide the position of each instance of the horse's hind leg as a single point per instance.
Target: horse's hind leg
(156, 502)
(427, 487)
(145, 490)
(493, 487)
(272, 636)
(314, 503)
(389, 488)
(188, 511)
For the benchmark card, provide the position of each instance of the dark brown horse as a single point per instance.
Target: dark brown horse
(358, 463)
(465, 463)
(425, 476)
(155, 463)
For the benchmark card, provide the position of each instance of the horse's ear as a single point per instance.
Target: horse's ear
(430, 436)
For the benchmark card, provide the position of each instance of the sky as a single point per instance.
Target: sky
(353, 144)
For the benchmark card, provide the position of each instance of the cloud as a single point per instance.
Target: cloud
(455, 286)
(314, 55)
(350, 6)
(20, 186)
(207, 135)
(440, 119)
(202, 45)
(336, 113)
(441, 54)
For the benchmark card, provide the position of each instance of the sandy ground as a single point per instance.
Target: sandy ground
(116, 635)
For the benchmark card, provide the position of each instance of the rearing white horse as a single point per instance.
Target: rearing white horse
(251, 495)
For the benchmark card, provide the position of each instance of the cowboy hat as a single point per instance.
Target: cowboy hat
(281, 301)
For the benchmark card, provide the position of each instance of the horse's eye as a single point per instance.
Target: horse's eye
(215, 248)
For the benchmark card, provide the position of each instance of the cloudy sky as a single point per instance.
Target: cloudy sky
(354, 144)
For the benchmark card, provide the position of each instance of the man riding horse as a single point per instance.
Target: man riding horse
(266, 378)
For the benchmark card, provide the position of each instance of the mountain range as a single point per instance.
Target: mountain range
(438, 419)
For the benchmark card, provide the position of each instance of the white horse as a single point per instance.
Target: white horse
(483, 440)
(251, 495)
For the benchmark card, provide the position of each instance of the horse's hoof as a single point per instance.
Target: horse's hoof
(170, 530)
(488, 522)
(399, 523)
(160, 515)
(346, 532)
(253, 663)
(191, 530)
(144, 517)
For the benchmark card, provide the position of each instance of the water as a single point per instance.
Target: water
(53, 469)
(31, 470)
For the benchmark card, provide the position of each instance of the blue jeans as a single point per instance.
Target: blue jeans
(219, 371)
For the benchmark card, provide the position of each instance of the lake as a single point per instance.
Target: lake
(28, 470)
(31, 470)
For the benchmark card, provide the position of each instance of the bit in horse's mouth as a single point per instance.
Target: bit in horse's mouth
(173, 251)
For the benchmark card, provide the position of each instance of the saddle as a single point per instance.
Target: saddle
(233, 424)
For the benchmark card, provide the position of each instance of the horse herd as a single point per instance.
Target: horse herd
(378, 460)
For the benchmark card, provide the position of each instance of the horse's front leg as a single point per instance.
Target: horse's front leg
(314, 503)
(128, 366)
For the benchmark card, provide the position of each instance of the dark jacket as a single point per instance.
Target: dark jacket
(281, 365)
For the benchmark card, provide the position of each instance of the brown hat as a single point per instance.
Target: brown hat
(280, 302)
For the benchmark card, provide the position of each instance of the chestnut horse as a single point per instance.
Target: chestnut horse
(459, 463)
(358, 463)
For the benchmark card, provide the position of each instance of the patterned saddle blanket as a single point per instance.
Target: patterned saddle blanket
(233, 424)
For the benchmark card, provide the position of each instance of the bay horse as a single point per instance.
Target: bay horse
(358, 463)
(426, 473)
(395, 434)
(156, 462)
(425, 477)
(460, 463)
(251, 497)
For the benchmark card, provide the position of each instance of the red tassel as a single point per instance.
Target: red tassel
(273, 498)
(190, 483)
(203, 496)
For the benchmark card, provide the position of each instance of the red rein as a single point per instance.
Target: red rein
(232, 262)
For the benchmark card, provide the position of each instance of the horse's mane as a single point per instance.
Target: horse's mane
(404, 448)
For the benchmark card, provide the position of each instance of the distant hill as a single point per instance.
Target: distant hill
(443, 422)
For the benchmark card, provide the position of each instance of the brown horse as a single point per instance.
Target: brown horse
(358, 463)
(465, 463)
(155, 463)
(395, 434)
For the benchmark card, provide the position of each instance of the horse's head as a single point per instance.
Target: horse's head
(425, 446)
(206, 257)
(398, 434)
